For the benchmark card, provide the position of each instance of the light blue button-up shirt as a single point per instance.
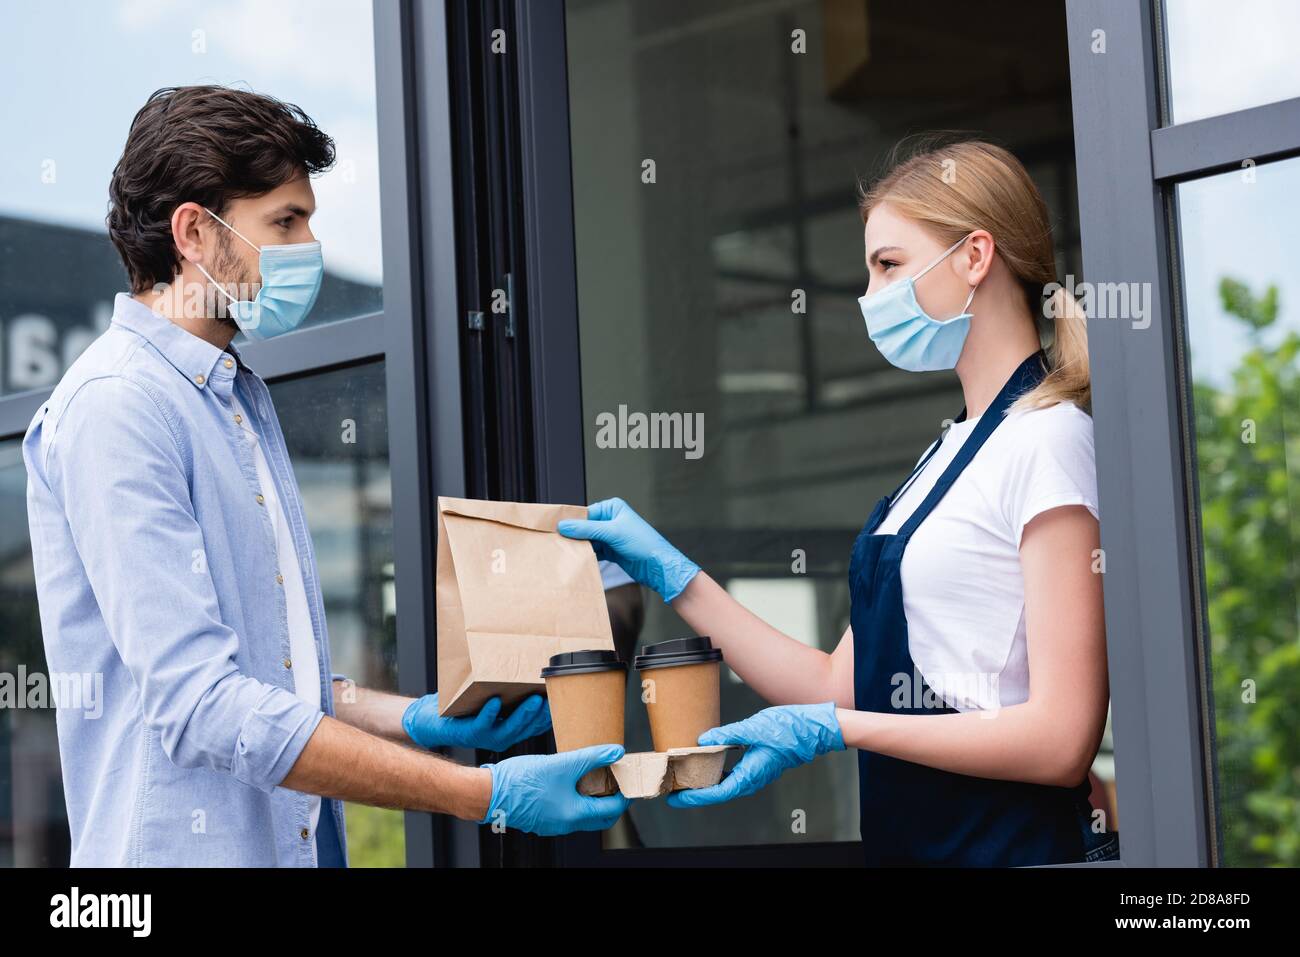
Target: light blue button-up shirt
(156, 572)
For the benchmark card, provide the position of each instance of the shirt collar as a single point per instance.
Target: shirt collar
(198, 361)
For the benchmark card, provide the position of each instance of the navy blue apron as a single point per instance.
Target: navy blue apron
(918, 815)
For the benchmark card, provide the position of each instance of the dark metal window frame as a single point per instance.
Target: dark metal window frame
(1129, 163)
(426, 437)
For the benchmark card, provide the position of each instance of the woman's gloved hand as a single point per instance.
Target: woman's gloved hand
(485, 730)
(538, 793)
(620, 535)
(776, 739)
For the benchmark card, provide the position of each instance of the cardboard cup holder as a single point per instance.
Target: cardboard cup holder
(652, 774)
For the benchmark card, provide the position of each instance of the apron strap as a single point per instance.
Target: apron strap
(1027, 375)
(934, 447)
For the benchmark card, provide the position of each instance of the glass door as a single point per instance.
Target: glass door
(715, 152)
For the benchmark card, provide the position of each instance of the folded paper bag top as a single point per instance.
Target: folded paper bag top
(511, 592)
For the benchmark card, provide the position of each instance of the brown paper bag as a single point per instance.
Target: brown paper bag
(511, 592)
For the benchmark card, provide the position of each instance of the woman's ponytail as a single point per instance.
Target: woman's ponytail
(1069, 378)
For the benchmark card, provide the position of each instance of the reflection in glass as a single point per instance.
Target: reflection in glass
(1225, 57)
(336, 427)
(727, 286)
(72, 86)
(33, 818)
(1238, 234)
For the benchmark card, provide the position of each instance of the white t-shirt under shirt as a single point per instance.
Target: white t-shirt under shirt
(302, 639)
(963, 591)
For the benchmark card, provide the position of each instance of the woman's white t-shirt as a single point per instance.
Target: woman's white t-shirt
(963, 591)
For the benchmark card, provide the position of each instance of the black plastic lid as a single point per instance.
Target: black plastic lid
(583, 662)
(678, 651)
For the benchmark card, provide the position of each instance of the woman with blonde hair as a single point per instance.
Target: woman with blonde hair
(972, 679)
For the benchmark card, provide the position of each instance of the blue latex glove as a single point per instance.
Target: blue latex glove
(538, 793)
(620, 535)
(486, 730)
(776, 739)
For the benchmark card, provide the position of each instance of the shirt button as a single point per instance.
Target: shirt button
(288, 663)
(238, 419)
(200, 379)
(229, 363)
(261, 500)
(304, 834)
(279, 579)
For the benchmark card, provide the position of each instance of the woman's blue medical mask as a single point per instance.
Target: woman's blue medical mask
(905, 334)
(291, 280)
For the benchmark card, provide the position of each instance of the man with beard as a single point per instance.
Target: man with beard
(172, 554)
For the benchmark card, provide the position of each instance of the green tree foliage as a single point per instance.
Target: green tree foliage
(1247, 436)
(376, 836)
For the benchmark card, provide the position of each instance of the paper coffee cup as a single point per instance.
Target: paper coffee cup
(680, 684)
(587, 691)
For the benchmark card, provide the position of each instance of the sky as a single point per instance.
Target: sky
(1225, 57)
(76, 71)
(1229, 56)
(1249, 231)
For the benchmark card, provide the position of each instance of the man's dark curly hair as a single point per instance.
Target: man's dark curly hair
(207, 145)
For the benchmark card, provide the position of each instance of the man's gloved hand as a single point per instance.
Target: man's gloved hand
(486, 730)
(776, 739)
(538, 793)
(620, 535)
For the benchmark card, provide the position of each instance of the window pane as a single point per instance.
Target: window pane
(1225, 57)
(686, 289)
(336, 427)
(1238, 235)
(73, 85)
(33, 820)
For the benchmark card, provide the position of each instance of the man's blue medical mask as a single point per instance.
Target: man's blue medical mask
(905, 334)
(291, 280)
